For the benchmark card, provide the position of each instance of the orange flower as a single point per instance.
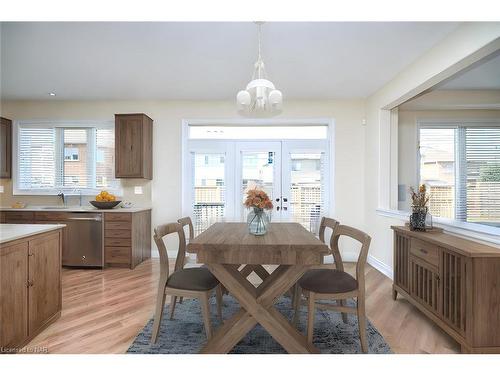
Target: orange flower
(259, 199)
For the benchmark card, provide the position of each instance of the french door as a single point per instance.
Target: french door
(294, 173)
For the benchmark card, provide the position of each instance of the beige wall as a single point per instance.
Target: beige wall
(407, 140)
(164, 192)
(468, 43)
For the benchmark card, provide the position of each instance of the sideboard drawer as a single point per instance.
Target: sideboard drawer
(425, 251)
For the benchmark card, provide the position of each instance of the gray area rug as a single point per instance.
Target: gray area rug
(185, 334)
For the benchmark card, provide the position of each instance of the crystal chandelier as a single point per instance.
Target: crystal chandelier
(260, 98)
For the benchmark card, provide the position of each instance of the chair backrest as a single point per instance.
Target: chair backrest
(162, 231)
(327, 222)
(360, 236)
(187, 221)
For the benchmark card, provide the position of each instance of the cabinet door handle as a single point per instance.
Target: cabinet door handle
(30, 283)
(31, 254)
(424, 251)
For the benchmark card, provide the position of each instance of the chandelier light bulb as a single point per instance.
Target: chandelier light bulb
(276, 97)
(243, 98)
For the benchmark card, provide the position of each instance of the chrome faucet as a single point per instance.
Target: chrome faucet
(63, 198)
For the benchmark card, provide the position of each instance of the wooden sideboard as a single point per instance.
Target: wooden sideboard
(30, 287)
(453, 281)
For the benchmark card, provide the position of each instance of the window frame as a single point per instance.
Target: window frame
(77, 124)
(456, 124)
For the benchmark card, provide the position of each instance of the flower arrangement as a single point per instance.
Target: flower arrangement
(257, 219)
(419, 201)
(257, 198)
(420, 198)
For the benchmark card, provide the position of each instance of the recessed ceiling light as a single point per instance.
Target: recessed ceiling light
(52, 94)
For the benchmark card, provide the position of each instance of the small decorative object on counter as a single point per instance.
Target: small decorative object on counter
(258, 220)
(104, 200)
(418, 216)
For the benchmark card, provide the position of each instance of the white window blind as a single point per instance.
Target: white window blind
(36, 155)
(482, 155)
(461, 165)
(64, 157)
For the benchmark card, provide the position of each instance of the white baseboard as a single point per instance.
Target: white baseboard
(380, 266)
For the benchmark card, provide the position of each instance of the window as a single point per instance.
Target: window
(461, 165)
(64, 157)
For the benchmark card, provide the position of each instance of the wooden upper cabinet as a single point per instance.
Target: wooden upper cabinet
(133, 146)
(5, 148)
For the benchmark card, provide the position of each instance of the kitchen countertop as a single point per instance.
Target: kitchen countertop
(74, 209)
(11, 232)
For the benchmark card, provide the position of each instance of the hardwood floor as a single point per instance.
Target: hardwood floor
(103, 311)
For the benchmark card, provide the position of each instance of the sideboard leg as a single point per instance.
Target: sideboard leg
(394, 294)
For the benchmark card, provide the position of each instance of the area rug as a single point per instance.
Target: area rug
(185, 334)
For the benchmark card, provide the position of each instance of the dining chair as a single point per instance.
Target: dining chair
(336, 284)
(326, 222)
(183, 282)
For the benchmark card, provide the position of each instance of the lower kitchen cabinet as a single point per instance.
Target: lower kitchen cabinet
(454, 282)
(127, 238)
(127, 235)
(30, 287)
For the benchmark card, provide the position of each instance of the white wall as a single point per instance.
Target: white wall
(164, 191)
(468, 43)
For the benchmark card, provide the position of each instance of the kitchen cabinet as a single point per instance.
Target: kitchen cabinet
(133, 146)
(454, 282)
(127, 238)
(14, 294)
(5, 148)
(30, 286)
(127, 235)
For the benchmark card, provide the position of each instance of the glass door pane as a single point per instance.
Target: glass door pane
(259, 167)
(209, 193)
(305, 193)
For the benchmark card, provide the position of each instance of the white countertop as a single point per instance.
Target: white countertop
(74, 209)
(11, 232)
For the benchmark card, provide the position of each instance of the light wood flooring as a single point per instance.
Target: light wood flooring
(104, 310)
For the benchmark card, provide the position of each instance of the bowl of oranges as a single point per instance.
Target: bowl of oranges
(105, 200)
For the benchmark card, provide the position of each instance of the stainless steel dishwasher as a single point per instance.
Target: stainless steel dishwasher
(82, 244)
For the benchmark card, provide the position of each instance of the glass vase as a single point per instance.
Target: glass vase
(417, 218)
(258, 222)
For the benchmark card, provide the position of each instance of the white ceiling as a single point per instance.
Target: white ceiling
(483, 76)
(206, 60)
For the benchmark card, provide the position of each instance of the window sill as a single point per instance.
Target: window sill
(484, 233)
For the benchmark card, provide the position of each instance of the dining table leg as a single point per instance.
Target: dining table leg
(257, 307)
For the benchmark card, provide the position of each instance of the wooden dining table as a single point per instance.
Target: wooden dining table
(232, 254)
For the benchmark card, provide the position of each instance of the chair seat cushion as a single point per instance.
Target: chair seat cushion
(328, 281)
(192, 279)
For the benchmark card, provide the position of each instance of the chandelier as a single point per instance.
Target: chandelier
(260, 98)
